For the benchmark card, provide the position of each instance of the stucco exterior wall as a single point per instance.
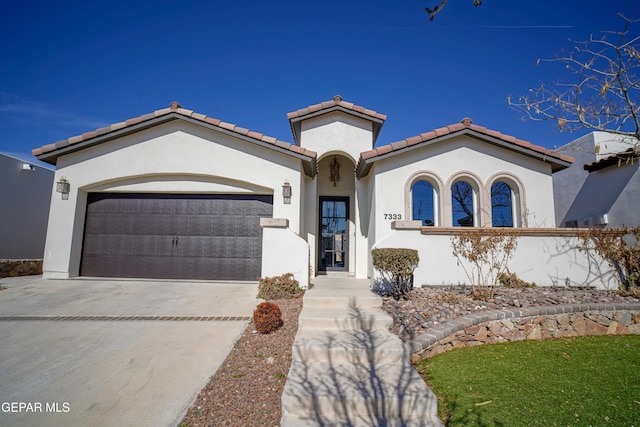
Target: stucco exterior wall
(284, 251)
(544, 258)
(462, 157)
(337, 132)
(614, 191)
(625, 211)
(174, 157)
(25, 206)
(583, 197)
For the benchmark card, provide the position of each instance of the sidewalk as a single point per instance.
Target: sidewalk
(347, 368)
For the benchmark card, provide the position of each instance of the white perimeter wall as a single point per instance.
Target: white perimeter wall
(547, 260)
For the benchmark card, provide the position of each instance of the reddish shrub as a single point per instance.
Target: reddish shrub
(267, 317)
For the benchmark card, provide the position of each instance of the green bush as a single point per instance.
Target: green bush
(279, 287)
(396, 265)
(267, 317)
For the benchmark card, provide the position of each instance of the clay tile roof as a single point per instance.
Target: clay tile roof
(48, 151)
(559, 160)
(619, 159)
(336, 101)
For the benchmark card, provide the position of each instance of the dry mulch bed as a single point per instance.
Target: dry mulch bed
(247, 388)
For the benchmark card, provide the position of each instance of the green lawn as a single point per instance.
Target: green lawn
(590, 381)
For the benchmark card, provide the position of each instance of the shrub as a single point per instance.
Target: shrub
(620, 248)
(267, 317)
(511, 280)
(449, 297)
(396, 265)
(481, 294)
(483, 254)
(279, 287)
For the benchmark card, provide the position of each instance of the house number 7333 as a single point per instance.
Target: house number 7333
(393, 217)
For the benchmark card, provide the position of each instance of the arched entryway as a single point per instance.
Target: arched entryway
(335, 191)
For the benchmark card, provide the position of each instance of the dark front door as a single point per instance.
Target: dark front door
(334, 230)
(210, 237)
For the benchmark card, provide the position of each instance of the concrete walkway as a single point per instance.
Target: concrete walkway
(347, 368)
(99, 352)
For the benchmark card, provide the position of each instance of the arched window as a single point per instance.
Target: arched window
(462, 204)
(423, 202)
(501, 205)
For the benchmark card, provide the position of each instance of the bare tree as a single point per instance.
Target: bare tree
(603, 92)
(462, 200)
(436, 9)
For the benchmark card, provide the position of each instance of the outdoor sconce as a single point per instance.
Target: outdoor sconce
(334, 171)
(286, 193)
(63, 187)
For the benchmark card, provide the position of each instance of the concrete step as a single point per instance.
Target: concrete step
(346, 300)
(336, 318)
(357, 346)
(357, 394)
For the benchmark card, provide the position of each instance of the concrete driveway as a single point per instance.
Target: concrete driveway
(108, 352)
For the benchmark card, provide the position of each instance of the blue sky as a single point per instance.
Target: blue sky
(70, 67)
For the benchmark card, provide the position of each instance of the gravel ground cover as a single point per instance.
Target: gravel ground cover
(247, 389)
(429, 306)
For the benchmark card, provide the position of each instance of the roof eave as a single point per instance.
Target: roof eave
(51, 157)
(557, 164)
(295, 122)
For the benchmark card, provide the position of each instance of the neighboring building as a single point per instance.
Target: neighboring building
(602, 187)
(177, 194)
(24, 209)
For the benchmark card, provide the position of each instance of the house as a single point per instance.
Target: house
(602, 187)
(25, 208)
(177, 194)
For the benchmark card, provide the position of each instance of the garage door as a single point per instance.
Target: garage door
(212, 237)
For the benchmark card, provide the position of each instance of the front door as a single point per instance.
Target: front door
(334, 230)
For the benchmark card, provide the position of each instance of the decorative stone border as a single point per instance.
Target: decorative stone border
(20, 267)
(529, 323)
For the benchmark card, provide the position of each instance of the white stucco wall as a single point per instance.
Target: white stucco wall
(284, 251)
(582, 196)
(462, 157)
(547, 260)
(26, 194)
(337, 132)
(174, 157)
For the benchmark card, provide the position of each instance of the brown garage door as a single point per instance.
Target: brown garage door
(210, 237)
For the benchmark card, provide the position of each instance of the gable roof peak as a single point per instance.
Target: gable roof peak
(50, 153)
(465, 127)
(337, 103)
